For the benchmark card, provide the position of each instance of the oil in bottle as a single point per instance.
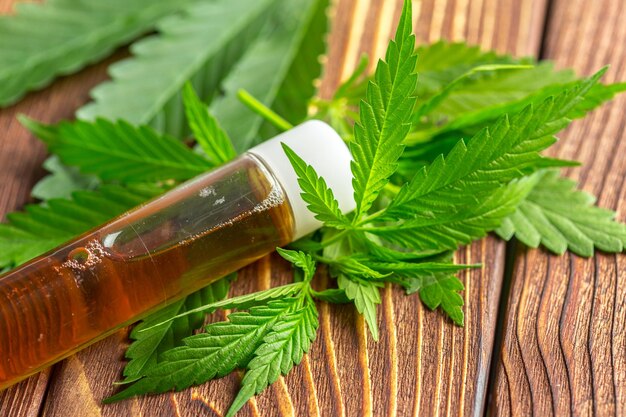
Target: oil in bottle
(160, 252)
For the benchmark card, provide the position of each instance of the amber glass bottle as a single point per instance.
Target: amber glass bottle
(161, 251)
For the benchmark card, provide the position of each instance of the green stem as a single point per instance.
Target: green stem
(369, 218)
(262, 110)
(334, 239)
(323, 259)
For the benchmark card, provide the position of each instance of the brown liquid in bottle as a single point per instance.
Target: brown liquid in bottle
(137, 263)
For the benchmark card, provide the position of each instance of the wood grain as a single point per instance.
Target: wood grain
(564, 345)
(423, 365)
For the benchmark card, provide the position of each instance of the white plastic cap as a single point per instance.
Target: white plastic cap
(321, 147)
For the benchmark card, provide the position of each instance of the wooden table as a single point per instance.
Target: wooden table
(544, 334)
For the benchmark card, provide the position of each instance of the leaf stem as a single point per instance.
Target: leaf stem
(369, 218)
(323, 259)
(334, 239)
(262, 110)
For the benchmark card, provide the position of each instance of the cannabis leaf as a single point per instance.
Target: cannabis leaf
(62, 182)
(55, 38)
(39, 228)
(487, 90)
(212, 139)
(281, 349)
(223, 347)
(365, 295)
(315, 192)
(157, 333)
(486, 95)
(267, 340)
(279, 69)
(384, 117)
(120, 151)
(460, 197)
(560, 217)
(442, 290)
(145, 88)
(302, 260)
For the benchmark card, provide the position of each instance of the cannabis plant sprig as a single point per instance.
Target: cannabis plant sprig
(450, 201)
(268, 335)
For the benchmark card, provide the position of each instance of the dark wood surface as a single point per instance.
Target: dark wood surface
(563, 345)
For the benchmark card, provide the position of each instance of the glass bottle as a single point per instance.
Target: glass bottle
(163, 250)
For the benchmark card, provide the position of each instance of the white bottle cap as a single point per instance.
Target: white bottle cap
(321, 147)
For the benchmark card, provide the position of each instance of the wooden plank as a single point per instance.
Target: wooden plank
(422, 364)
(564, 345)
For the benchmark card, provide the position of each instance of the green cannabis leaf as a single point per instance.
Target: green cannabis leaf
(559, 217)
(120, 151)
(442, 290)
(279, 69)
(365, 295)
(267, 340)
(212, 139)
(282, 348)
(74, 34)
(384, 117)
(145, 88)
(450, 200)
(223, 347)
(316, 194)
(459, 198)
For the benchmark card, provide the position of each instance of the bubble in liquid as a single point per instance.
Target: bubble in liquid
(273, 199)
(85, 257)
(79, 255)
